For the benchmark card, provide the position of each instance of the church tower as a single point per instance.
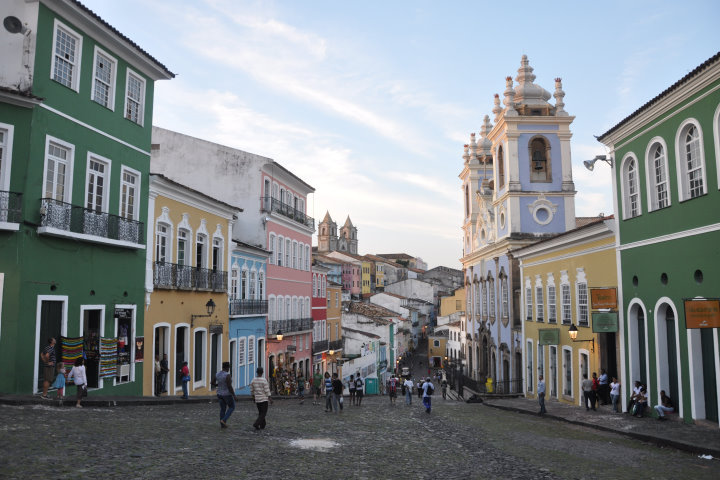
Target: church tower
(348, 241)
(327, 235)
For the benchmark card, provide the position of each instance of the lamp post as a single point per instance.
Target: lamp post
(209, 306)
(590, 164)
(573, 332)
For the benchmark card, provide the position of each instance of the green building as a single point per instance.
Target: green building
(76, 102)
(665, 160)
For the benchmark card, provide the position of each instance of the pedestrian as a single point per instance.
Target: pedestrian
(260, 392)
(587, 392)
(337, 393)
(541, 394)
(359, 384)
(408, 391)
(615, 393)
(351, 389)
(328, 393)
(665, 406)
(48, 361)
(317, 386)
(158, 375)
(444, 386)
(595, 390)
(419, 384)
(604, 387)
(225, 394)
(185, 378)
(164, 369)
(80, 379)
(427, 390)
(301, 388)
(392, 389)
(59, 383)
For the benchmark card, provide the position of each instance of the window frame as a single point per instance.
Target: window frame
(106, 176)
(69, 162)
(141, 102)
(6, 155)
(539, 300)
(566, 307)
(653, 199)
(684, 187)
(113, 80)
(124, 169)
(552, 307)
(627, 184)
(77, 64)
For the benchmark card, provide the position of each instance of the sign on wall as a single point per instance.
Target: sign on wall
(703, 313)
(549, 336)
(606, 322)
(603, 298)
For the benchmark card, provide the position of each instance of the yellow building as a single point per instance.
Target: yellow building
(569, 282)
(437, 349)
(453, 303)
(367, 268)
(334, 327)
(188, 256)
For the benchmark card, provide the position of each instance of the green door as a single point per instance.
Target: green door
(371, 386)
(709, 382)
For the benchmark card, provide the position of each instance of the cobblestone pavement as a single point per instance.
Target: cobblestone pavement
(375, 441)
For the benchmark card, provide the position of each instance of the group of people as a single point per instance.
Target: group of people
(54, 374)
(161, 368)
(600, 390)
(425, 389)
(259, 391)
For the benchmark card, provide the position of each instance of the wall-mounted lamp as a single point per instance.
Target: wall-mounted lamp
(590, 164)
(278, 337)
(573, 336)
(210, 306)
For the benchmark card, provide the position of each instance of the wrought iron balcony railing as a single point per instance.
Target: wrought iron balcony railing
(76, 219)
(290, 326)
(171, 275)
(10, 207)
(336, 344)
(270, 204)
(248, 307)
(320, 346)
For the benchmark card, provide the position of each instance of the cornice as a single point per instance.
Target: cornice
(161, 186)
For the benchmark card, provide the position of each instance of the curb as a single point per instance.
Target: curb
(661, 442)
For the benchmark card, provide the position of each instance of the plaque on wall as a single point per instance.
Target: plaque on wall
(549, 336)
(606, 322)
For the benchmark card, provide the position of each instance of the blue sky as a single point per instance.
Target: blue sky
(371, 102)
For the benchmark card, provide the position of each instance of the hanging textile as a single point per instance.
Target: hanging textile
(72, 349)
(108, 357)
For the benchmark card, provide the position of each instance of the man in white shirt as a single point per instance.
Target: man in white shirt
(541, 394)
(408, 391)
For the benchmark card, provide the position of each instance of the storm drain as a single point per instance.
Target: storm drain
(318, 444)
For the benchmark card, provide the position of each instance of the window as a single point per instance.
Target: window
(6, 138)
(200, 261)
(182, 247)
(234, 279)
(281, 244)
(97, 180)
(251, 350)
(484, 300)
(539, 302)
(691, 161)
(552, 307)
(161, 243)
(287, 252)
(566, 308)
(530, 373)
(271, 309)
(541, 360)
(58, 171)
(657, 176)
(273, 249)
(261, 286)
(242, 343)
(103, 91)
(244, 284)
(295, 254)
(436, 343)
(301, 261)
(314, 286)
(253, 285)
(631, 189)
(66, 56)
(491, 300)
(500, 167)
(567, 371)
(307, 258)
(539, 151)
(199, 364)
(217, 261)
(528, 301)
(504, 297)
(129, 186)
(582, 300)
(135, 98)
(323, 283)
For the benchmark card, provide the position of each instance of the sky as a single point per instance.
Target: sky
(371, 102)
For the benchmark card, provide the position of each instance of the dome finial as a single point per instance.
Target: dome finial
(559, 96)
(497, 109)
(509, 100)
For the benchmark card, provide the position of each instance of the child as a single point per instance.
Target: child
(59, 382)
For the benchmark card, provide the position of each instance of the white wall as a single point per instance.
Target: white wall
(17, 51)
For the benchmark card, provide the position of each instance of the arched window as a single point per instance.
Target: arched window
(656, 168)
(691, 161)
(314, 285)
(281, 244)
(234, 279)
(162, 250)
(539, 151)
(253, 285)
(631, 189)
(288, 252)
(500, 167)
(261, 285)
(244, 284)
(273, 249)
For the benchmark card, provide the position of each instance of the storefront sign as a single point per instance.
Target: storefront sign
(603, 298)
(549, 336)
(291, 348)
(216, 328)
(606, 322)
(702, 313)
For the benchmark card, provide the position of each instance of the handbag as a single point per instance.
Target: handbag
(341, 399)
(186, 378)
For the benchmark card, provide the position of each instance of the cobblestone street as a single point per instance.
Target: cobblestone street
(375, 441)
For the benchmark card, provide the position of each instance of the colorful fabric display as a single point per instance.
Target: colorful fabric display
(72, 349)
(108, 357)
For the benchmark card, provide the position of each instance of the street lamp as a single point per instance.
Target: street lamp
(590, 164)
(573, 331)
(209, 306)
(278, 337)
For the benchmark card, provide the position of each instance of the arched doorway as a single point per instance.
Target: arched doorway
(637, 344)
(666, 352)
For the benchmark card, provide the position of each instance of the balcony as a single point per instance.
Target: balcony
(248, 307)
(336, 344)
(320, 346)
(71, 221)
(186, 277)
(273, 205)
(293, 325)
(10, 210)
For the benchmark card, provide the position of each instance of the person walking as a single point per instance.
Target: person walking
(225, 394)
(359, 384)
(351, 389)
(260, 392)
(80, 378)
(337, 393)
(59, 383)
(328, 393)
(317, 382)
(420, 384)
(185, 378)
(164, 369)
(301, 388)
(427, 391)
(595, 397)
(444, 386)
(408, 390)
(392, 389)
(541, 394)
(48, 361)
(615, 393)
(587, 392)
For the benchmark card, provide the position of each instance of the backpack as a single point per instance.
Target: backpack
(430, 388)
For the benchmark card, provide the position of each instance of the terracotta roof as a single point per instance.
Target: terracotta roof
(588, 224)
(707, 63)
(369, 310)
(403, 256)
(456, 323)
(117, 32)
(582, 221)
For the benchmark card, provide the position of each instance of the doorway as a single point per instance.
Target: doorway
(92, 319)
(51, 322)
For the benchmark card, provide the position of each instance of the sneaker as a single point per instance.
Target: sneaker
(44, 397)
